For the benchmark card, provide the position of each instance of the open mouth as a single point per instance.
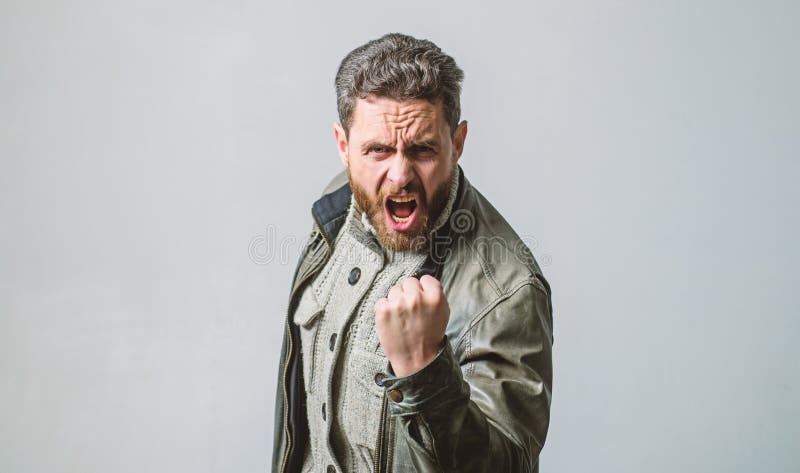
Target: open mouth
(401, 210)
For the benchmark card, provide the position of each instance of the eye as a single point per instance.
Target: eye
(378, 152)
(423, 152)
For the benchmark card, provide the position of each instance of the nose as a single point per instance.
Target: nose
(401, 171)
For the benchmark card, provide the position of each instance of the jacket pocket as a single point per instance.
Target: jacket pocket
(364, 399)
(307, 318)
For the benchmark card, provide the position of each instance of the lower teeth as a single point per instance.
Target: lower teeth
(400, 219)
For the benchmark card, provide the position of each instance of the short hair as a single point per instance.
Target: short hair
(399, 67)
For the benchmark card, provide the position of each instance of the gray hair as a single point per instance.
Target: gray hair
(399, 67)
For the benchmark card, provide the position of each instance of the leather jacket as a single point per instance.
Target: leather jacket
(483, 404)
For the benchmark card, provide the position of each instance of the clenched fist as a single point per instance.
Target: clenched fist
(411, 322)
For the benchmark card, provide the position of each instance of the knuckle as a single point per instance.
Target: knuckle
(435, 299)
(414, 304)
(394, 305)
(415, 300)
(430, 280)
(381, 306)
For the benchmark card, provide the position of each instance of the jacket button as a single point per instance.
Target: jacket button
(332, 342)
(355, 273)
(379, 377)
(395, 395)
(323, 412)
(331, 469)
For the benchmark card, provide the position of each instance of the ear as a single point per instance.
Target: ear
(341, 143)
(459, 137)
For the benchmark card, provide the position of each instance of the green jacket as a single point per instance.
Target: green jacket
(483, 404)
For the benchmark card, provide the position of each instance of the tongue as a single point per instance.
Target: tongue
(402, 209)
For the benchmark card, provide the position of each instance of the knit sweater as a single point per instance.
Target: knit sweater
(339, 346)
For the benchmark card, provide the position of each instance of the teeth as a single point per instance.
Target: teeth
(401, 199)
(400, 219)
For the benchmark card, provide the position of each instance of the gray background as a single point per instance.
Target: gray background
(159, 160)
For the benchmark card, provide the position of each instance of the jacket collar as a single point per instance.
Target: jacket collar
(330, 211)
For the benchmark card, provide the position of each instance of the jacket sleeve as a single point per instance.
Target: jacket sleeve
(487, 409)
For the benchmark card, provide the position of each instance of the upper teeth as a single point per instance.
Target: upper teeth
(402, 199)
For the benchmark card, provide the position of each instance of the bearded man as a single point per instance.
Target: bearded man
(419, 326)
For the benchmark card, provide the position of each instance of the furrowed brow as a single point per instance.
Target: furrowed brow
(426, 143)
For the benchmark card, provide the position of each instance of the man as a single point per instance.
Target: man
(419, 329)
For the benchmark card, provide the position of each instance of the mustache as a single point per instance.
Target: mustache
(414, 188)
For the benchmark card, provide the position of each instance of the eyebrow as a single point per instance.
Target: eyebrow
(430, 143)
(375, 143)
(425, 143)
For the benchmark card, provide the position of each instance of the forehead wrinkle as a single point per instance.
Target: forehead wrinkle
(412, 127)
(400, 122)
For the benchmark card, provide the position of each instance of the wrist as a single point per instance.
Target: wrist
(409, 364)
(402, 368)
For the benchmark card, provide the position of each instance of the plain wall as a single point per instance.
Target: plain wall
(159, 160)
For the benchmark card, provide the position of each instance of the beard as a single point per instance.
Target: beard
(414, 239)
